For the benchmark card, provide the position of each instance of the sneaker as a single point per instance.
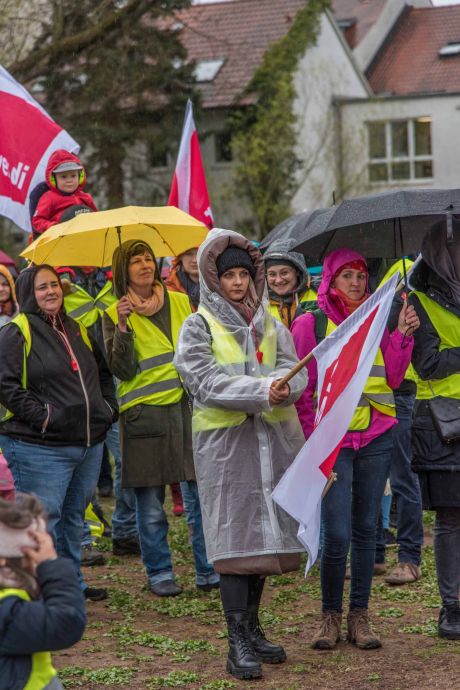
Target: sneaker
(403, 574)
(329, 631)
(126, 546)
(166, 588)
(360, 632)
(449, 622)
(208, 587)
(95, 593)
(90, 556)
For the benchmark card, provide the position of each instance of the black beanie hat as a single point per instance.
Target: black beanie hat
(234, 257)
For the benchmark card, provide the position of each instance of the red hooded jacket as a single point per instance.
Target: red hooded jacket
(53, 203)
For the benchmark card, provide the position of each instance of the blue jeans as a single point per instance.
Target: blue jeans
(153, 532)
(204, 570)
(124, 516)
(349, 516)
(405, 488)
(63, 478)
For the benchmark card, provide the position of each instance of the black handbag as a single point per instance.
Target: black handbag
(446, 418)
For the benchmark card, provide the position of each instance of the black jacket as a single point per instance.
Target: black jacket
(55, 621)
(429, 452)
(82, 402)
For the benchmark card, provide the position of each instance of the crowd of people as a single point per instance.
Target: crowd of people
(181, 380)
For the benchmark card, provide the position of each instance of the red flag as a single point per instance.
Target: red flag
(344, 361)
(28, 137)
(189, 191)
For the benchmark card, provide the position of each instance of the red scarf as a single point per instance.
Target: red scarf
(351, 305)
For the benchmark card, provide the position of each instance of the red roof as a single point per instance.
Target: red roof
(360, 15)
(409, 61)
(239, 32)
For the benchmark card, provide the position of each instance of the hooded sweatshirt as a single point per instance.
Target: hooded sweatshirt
(53, 203)
(287, 304)
(396, 350)
(80, 399)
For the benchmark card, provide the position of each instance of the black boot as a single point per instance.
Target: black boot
(449, 622)
(265, 651)
(241, 662)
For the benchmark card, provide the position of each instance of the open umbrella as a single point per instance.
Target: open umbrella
(292, 229)
(387, 225)
(6, 260)
(90, 239)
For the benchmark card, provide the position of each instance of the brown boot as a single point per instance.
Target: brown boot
(329, 633)
(404, 573)
(360, 632)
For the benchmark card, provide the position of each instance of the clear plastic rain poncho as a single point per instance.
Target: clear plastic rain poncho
(242, 447)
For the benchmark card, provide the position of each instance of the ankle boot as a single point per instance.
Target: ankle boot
(265, 651)
(360, 632)
(242, 661)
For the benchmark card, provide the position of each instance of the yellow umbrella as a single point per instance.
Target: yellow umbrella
(90, 239)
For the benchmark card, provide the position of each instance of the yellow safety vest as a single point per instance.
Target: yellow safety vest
(22, 322)
(308, 296)
(376, 394)
(447, 326)
(96, 527)
(228, 353)
(157, 381)
(42, 672)
(85, 309)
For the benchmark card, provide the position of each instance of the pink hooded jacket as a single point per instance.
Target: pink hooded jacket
(396, 350)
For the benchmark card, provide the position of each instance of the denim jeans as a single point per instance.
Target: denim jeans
(124, 516)
(447, 553)
(405, 488)
(153, 532)
(349, 516)
(204, 571)
(63, 478)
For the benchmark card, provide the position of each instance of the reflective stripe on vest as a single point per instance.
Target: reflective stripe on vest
(42, 675)
(376, 394)
(228, 353)
(447, 326)
(22, 323)
(80, 306)
(105, 298)
(157, 381)
(96, 527)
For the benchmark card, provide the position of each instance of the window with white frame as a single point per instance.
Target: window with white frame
(400, 150)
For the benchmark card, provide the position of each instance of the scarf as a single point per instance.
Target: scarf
(191, 288)
(350, 305)
(151, 305)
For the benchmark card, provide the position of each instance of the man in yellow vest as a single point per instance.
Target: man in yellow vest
(140, 334)
(288, 282)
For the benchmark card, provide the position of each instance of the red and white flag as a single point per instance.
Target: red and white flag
(189, 191)
(344, 361)
(28, 136)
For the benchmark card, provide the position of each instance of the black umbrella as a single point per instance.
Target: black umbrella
(291, 230)
(387, 225)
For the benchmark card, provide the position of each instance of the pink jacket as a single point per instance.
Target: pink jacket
(396, 350)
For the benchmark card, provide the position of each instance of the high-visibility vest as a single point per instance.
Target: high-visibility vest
(308, 296)
(447, 326)
(22, 322)
(377, 393)
(96, 527)
(228, 353)
(85, 309)
(43, 673)
(157, 381)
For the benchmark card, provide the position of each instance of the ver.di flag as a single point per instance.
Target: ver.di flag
(28, 136)
(189, 191)
(344, 361)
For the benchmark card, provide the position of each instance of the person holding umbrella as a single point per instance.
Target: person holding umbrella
(350, 509)
(436, 449)
(141, 332)
(288, 281)
(245, 435)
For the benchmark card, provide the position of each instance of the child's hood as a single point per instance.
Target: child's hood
(57, 158)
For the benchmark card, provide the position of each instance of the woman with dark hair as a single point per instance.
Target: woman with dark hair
(436, 359)
(140, 332)
(231, 355)
(350, 510)
(58, 401)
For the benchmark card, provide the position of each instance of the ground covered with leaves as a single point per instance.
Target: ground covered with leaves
(138, 641)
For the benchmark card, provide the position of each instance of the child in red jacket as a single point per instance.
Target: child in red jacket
(65, 177)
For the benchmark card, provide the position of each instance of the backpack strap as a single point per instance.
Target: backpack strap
(320, 324)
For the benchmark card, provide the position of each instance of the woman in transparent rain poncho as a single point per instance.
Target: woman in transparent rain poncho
(245, 435)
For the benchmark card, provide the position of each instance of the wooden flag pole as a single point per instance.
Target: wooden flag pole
(295, 370)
